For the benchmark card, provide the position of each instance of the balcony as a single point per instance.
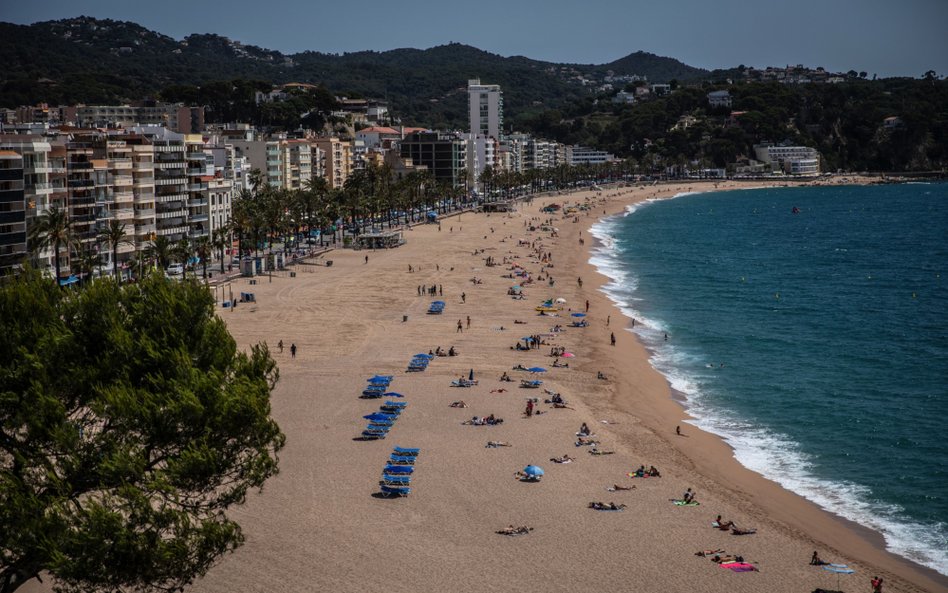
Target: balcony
(195, 203)
(175, 230)
(144, 213)
(197, 186)
(198, 218)
(124, 214)
(145, 229)
(171, 214)
(164, 199)
(81, 183)
(120, 164)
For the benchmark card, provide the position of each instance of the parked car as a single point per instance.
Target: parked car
(175, 270)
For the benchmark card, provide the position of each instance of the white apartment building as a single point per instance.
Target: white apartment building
(486, 109)
(481, 153)
(581, 155)
(794, 160)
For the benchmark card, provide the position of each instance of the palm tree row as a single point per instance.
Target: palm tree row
(373, 198)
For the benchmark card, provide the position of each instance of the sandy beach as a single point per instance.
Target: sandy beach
(320, 526)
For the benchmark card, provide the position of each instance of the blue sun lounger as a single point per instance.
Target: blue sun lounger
(398, 469)
(395, 481)
(406, 451)
(391, 406)
(395, 490)
(396, 459)
(374, 433)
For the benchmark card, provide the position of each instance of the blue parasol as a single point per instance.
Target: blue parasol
(379, 417)
(838, 569)
(537, 370)
(533, 470)
(578, 314)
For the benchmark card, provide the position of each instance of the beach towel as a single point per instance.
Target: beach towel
(739, 566)
(681, 503)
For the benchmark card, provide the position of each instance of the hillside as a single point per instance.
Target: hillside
(87, 60)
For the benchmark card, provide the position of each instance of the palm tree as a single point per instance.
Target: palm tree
(52, 228)
(219, 242)
(203, 248)
(160, 250)
(114, 235)
(181, 252)
(87, 260)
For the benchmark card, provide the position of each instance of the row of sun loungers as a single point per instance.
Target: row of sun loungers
(397, 473)
(378, 387)
(436, 308)
(382, 421)
(419, 363)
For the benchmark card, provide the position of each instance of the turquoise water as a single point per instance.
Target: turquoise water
(815, 343)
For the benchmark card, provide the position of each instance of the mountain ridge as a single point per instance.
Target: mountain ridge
(89, 60)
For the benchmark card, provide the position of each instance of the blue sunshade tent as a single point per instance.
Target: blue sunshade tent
(537, 370)
(527, 338)
(67, 281)
(578, 314)
(838, 569)
(533, 470)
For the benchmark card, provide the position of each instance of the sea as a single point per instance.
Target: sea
(807, 327)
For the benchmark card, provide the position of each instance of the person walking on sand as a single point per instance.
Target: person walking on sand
(280, 346)
(580, 282)
(367, 259)
(678, 430)
(463, 298)
(468, 322)
(876, 583)
(529, 408)
(612, 338)
(587, 306)
(608, 319)
(460, 327)
(293, 350)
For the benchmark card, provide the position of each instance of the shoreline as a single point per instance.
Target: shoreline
(714, 456)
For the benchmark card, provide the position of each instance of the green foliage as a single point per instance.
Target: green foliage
(82, 60)
(130, 423)
(845, 122)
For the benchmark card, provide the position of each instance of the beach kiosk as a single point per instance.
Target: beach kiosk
(384, 240)
(502, 206)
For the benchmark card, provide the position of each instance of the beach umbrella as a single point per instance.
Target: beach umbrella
(537, 370)
(561, 300)
(838, 569)
(533, 470)
(578, 314)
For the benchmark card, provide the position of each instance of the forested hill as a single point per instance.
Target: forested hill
(104, 61)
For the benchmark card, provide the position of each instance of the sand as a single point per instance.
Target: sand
(318, 526)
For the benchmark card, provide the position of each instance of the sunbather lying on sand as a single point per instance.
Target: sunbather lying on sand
(595, 451)
(815, 560)
(495, 444)
(562, 405)
(483, 421)
(511, 530)
(586, 441)
(709, 552)
(506, 377)
(606, 506)
(458, 404)
(729, 558)
(563, 459)
(735, 530)
(616, 488)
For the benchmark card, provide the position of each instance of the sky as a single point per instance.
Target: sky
(884, 37)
